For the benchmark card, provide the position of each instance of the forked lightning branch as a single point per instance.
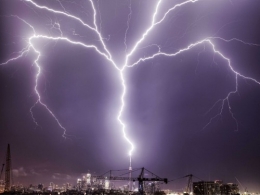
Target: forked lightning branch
(104, 52)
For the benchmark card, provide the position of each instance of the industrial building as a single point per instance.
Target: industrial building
(215, 188)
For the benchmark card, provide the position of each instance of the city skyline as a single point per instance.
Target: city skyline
(182, 77)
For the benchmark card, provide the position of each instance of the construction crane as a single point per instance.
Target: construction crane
(8, 169)
(188, 188)
(141, 182)
(141, 179)
(2, 171)
(246, 191)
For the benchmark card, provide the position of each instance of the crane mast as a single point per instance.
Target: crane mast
(188, 188)
(8, 169)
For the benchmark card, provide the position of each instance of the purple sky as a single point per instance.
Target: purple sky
(168, 99)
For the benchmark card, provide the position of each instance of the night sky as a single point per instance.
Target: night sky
(173, 105)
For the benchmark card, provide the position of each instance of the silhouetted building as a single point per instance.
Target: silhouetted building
(214, 188)
(79, 184)
(40, 186)
(229, 188)
(206, 188)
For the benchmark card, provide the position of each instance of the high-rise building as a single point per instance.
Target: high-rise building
(40, 186)
(106, 184)
(51, 186)
(84, 183)
(88, 178)
(79, 184)
(67, 186)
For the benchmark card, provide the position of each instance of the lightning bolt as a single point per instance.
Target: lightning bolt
(105, 53)
(237, 74)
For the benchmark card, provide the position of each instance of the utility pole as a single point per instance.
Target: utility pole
(8, 169)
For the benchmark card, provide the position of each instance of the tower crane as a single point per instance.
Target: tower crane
(141, 179)
(188, 188)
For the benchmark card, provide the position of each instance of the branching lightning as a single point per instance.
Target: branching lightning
(128, 20)
(104, 52)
